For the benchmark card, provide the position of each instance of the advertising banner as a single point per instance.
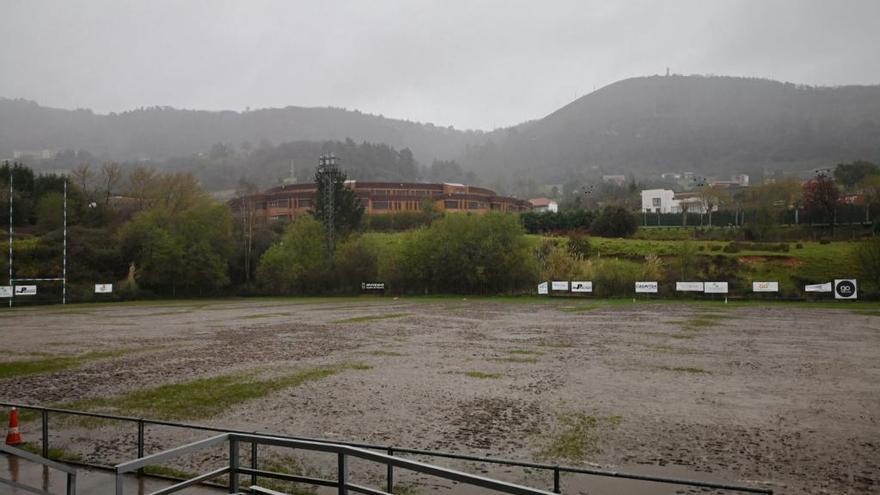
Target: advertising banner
(557, 285)
(689, 286)
(582, 286)
(25, 290)
(103, 288)
(372, 286)
(715, 287)
(542, 288)
(846, 289)
(818, 288)
(5, 291)
(765, 286)
(646, 287)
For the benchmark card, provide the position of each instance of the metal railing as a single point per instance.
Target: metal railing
(69, 471)
(554, 469)
(343, 454)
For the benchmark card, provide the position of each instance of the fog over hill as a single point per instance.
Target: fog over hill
(644, 126)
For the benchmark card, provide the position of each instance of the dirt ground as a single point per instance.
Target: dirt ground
(780, 396)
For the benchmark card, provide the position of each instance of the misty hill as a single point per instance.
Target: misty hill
(645, 126)
(158, 133)
(708, 125)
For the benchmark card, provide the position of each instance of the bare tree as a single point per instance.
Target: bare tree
(111, 173)
(142, 186)
(246, 200)
(82, 176)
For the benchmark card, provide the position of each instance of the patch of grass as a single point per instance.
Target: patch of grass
(55, 454)
(525, 352)
(10, 369)
(404, 490)
(482, 375)
(387, 353)
(703, 320)
(684, 369)
(869, 313)
(516, 359)
(547, 343)
(579, 308)
(169, 472)
(363, 319)
(204, 397)
(287, 464)
(576, 438)
(263, 315)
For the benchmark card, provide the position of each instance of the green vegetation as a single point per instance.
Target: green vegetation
(482, 375)
(366, 318)
(525, 352)
(684, 369)
(516, 359)
(55, 454)
(387, 353)
(204, 397)
(576, 438)
(288, 464)
(169, 472)
(51, 364)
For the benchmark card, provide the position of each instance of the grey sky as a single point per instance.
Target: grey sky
(471, 64)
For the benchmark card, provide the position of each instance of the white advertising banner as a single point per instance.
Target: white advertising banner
(103, 288)
(818, 288)
(542, 288)
(765, 286)
(582, 286)
(689, 286)
(846, 289)
(557, 285)
(715, 287)
(646, 287)
(25, 290)
(5, 291)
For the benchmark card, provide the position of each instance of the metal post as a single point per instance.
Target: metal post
(556, 480)
(140, 443)
(64, 262)
(120, 482)
(390, 474)
(45, 417)
(10, 235)
(342, 473)
(233, 465)
(71, 484)
(254, 462)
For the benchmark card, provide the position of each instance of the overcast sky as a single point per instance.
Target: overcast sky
(471, 64)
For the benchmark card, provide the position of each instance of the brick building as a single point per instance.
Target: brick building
(292, 200)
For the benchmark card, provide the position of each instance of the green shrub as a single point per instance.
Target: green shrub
(615, 221)
(296, 264)
(615, 277)
(579, 245)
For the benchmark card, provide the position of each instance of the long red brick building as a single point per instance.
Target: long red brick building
(287, 202)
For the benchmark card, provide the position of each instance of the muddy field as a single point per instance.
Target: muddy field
(782, 396)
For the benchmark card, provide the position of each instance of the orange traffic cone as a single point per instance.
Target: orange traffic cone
(13, 437)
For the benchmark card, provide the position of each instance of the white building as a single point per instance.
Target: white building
(659, 201)
(544, 204)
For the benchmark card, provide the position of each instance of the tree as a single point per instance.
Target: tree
(868, 258)
(295, 264)
(84, 178)
(615, 221)
(111, 173)
(347, 209)
(850, 174)
(820, 199)
(141, 185)
(247, 208)
(713, 197)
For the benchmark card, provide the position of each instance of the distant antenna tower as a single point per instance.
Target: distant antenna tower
(327, 171)
(667, 72)
(291, 179)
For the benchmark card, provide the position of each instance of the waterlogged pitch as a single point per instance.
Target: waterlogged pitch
(780, 396)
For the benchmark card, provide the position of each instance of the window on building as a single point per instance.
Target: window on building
(304, 203)
(655, 202)
(278, 203)
(450, 204)
(473, 205)
(381, 205)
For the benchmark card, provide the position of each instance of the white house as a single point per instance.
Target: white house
(544, 204)
(659, 201)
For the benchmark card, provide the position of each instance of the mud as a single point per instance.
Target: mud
(785, 397)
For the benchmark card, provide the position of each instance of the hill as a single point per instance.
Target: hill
(644, 126)
(708, 125)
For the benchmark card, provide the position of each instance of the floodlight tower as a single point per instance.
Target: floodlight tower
(327, 172)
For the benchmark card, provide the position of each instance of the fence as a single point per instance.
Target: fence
(390, 451)
(70, 488)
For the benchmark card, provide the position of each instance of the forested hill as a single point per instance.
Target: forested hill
(159, 132)
(646, 126)
(703, 124)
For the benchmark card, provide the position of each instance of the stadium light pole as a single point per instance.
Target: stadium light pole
(9, 167)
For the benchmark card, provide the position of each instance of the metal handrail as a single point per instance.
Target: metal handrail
(69, 471)
(557, 470)
(343, 452)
